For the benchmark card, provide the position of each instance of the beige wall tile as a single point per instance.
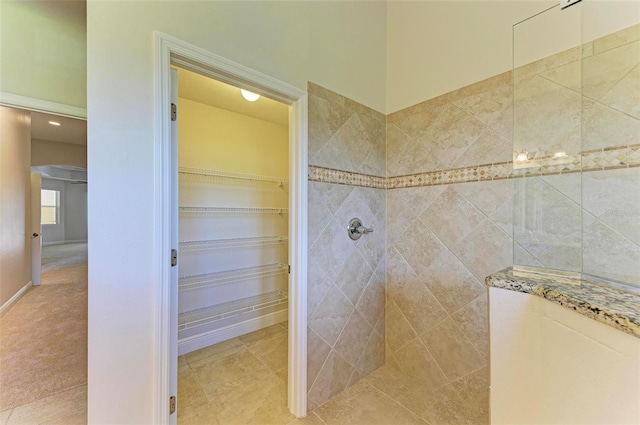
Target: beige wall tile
(617, 39)
(624, 96)
(486, 238)
(451, 217)
(559, 108)
(317, 353)
(417, 304)
(450, 134)
(353, 277)
(399, 331)
(451, 349)
(353, 338)
(473, 320)
(609, 254)
(373, 355)
(546, 219)
(371, 302)
(451, 282)
(619, 208)
(487, 106)
(489, 147)
(318, 283)
(604, 127)
(332, 379)
(419, 246)
(415, 360)
(601, 72)
(332, 314)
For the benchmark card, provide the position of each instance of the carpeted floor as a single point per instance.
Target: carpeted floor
(43, 337)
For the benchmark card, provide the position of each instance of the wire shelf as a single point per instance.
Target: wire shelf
(231, 243)
(228, 175)
(202, 316)
(206, 280)
(233, 210)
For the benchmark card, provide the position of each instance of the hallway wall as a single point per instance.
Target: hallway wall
(346, 282)
(47, 152)
(15, 201)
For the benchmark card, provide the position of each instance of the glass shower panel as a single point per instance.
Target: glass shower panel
(547, 109)
(611, 140)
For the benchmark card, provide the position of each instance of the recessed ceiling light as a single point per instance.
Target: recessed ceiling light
(251, 97)
(56, 123)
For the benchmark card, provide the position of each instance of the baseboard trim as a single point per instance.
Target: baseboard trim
(6, 306)
(197, 342)
(39, 105)
(62, 242)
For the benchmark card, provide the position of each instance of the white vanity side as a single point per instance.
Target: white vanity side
(551, 365)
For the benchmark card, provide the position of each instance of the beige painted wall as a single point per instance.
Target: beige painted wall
(435, 47)
(15, 201)
(551, 365)
(45, 152)
(338, 44)
(216, 139)
(43, 45)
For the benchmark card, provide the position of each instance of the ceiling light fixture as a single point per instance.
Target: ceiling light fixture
(56, 123)
(251, 97)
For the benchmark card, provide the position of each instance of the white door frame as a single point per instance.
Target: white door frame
(170, 50)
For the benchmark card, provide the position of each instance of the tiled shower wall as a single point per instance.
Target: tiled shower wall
(444, 238)
(346, 279)
(448, 215)
(589, 101)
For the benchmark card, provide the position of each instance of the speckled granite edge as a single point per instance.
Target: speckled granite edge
(609, 305)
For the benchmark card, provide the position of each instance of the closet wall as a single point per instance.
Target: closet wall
(233, 224)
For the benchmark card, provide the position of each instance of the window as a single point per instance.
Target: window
(50, 201)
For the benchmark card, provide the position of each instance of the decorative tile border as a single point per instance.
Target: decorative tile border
(593, 160)
(331, 175)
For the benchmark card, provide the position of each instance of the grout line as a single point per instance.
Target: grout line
(392, 399)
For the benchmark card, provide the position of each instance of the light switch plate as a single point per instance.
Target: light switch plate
(566, 3)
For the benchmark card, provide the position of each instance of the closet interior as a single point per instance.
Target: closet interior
(233, 196)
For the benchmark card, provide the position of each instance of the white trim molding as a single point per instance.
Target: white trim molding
(170, 50)
(6, 306)
(39, 105)
(215, 336)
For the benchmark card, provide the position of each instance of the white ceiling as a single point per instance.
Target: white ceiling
(70, 131)
(214, 93)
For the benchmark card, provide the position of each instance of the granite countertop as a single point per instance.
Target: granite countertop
(611, 305)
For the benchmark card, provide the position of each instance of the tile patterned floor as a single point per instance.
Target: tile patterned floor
(43, 345)
(242, 381)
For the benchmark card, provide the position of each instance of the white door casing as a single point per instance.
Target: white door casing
(170, 50)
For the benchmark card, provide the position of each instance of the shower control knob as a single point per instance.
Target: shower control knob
(356, 229)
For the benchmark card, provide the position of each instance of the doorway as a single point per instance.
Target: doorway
(233, 195)
(43, 348)
(171, 51)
